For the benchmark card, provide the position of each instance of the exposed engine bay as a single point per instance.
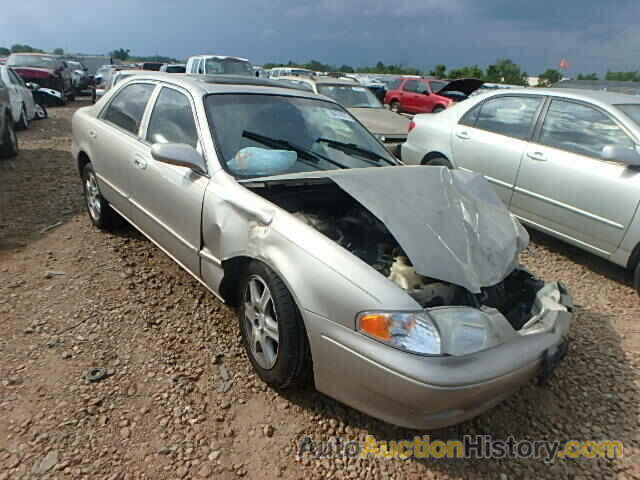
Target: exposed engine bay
(337, 215)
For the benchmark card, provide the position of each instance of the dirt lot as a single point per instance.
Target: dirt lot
(181, 400)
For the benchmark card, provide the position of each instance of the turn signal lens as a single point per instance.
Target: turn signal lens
(412, 125)
(376, 325)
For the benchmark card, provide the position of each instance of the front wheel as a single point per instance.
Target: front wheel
(437, 109)
(272, 329)
(636, 278)
(100, 212)
(23, 123)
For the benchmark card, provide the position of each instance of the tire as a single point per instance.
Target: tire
(9, 147)
(23, 123)
(41, 112)
(438, 161)
(273, 335)
(394, 106)
(636, 278)
(437, 109)
(100, 212)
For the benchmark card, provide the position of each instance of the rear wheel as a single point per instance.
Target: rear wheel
(100, 212)
(437, 109)
(272, 329)
(9, 147)
(636, 278)
(438, 161)
(394, 106)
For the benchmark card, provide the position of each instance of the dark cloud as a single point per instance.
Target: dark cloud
(593, 35)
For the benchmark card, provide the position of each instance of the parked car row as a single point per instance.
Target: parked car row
(395, 289)
(565, 162)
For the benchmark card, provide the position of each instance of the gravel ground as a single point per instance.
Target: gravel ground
(180, 399)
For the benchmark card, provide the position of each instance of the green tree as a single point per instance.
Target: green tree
(4, 52)
(549, 77)
(587, 76)
(439, 71)
(623, 76)
(466, 72)
(18, 48)
(58, 51)
(505, 71)
(120, 54)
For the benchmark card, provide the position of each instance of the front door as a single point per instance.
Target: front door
(492, 138)
(167, 199)
(566, 188)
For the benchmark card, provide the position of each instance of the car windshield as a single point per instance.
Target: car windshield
(632, 111)
(262, 135)
(351, 96)
(228, 66)
(37, 61)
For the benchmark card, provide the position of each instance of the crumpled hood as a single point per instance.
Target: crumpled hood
(450, 223)
(382, 121)
(464, 85)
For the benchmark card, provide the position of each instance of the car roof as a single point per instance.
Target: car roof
(220, 56)
(207, 84)
(43, 54)
(593, 96)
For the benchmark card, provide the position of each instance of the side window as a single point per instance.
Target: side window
(172, 120)
(421, 87)
(16, 79)
(581, 129)
(469, 119)
(511, 116)
(201, 66)
(411, 86)
(127, 108)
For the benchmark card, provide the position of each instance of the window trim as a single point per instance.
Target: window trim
(119, 89)
(537, 134)
(534, 123)
(144, 125)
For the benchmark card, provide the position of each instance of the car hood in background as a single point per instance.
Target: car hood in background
(450, 223)
(382, 121)
(464, 85)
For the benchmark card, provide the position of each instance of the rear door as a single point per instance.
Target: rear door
(114, 139)
(567, 189)
(423, 98)
(167, 199)
(492, 138)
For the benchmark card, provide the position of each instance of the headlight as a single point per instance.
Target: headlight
(410, 331)
(464, 330)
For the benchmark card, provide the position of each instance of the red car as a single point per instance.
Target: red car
(48, 71)
(428, 95)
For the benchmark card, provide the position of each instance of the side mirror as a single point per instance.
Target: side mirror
(179, 154)
(616, 153)
(32, 86)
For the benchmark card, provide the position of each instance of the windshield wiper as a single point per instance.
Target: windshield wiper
(280, 143)
(352, 147)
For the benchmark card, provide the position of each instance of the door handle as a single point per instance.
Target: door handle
(140, 162)
(92, 134)
(463, 135)
(537, 156)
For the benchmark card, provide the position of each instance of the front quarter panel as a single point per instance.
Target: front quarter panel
(323, 277)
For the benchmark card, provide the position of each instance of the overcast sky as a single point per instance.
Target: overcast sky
(594, 35)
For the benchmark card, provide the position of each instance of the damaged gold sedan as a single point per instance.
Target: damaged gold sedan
(396, 289)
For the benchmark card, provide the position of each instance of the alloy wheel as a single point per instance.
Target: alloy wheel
(93, 196)
(261, 322)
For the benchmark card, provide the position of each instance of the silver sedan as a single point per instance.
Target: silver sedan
(566, 162)
(397, 290)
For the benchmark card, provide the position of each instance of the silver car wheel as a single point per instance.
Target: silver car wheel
(261, 322)
(13, 139)
(93, 196)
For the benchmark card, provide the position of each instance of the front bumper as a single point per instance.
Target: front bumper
(431, 392)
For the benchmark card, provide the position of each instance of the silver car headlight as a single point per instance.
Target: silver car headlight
(464, 330)
(412, 332)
